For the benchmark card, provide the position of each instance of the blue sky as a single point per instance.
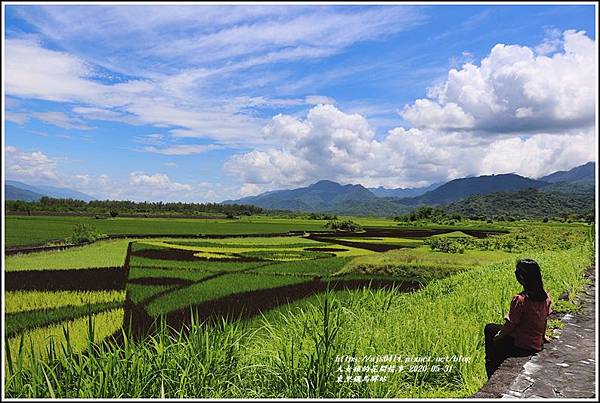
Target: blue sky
(199, 103)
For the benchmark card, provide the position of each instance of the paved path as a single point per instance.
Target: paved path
(564, 369)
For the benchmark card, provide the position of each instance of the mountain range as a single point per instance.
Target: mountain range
(15, 190)
(404, 192)
(329, 196)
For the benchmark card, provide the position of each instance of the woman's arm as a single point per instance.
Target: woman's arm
(546, 339)
(506, 329)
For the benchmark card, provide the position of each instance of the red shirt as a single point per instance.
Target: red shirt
(529, 318)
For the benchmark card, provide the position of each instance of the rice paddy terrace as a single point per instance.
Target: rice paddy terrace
(113, 288)
(137, 281)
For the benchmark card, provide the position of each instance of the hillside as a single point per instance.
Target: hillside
(320, 196)
(458, 189)
(528, 203)
(583, 174)
(403, 192)
(44, 190)
(14, 193)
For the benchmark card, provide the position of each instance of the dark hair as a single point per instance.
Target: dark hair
(530, 276)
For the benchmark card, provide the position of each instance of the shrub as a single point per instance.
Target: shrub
(83, 233)
(343, 226)
(447, 245)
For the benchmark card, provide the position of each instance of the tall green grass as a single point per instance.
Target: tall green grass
(34, 347)
(291, 352)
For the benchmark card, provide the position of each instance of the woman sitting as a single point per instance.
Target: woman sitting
(524, 329)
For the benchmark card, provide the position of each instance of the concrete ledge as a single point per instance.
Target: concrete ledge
(500, 382)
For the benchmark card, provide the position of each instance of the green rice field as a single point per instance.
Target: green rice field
(266, 316)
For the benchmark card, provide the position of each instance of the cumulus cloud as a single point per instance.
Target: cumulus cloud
(157, 181)
(331, 144)
(516, 89)
(35, 165)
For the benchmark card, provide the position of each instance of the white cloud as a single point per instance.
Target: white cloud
(33, 165)
(331, 144)
(552, 42)
(35, 72)
(16, 117)
(319, 99)
(426, 113)
(182, 149)
(177, 86)
(59, 76)
(61, 120)
(515, 90)
(160, 182)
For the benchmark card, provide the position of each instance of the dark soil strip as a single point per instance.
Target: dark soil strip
(248, 304)
(375, 232)
(93, 279)
(185, 255)
(325, 250)
(376, 247)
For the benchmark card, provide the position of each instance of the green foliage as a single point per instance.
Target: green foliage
(120, 207)
(430, 214)
(327, 217)
(343, 226)
(522, 239)
(83, 233)
(529, 203)
(446, 245)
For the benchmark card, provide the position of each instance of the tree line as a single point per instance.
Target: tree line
(117, 207)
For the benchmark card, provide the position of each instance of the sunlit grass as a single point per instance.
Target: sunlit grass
(100, 254)
(290, 352)
(20, 301)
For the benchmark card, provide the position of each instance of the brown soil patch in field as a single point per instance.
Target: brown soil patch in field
(375, 247)
(325, 250)
(94, 279)
(184, 255)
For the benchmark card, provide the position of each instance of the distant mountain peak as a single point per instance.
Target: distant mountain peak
(579, 174)
(458, 189)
